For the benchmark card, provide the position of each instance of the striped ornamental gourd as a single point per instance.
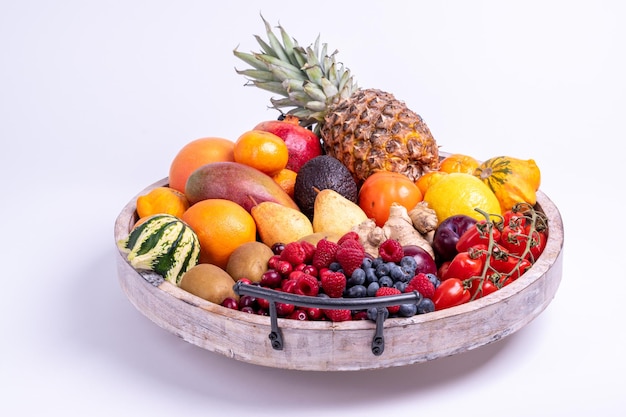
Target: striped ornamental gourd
(163, 244)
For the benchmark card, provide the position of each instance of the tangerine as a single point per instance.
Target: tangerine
(286, 178)
(262, 150)
(162, 200)
(428, 179)
(195, 154)
(458, 163)
(221, 226)
(383, 188)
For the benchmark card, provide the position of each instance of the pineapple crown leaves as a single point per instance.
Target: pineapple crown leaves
(309, 79)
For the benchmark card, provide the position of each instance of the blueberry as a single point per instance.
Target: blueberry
(407, 310)
(400, 285)
(433, 278)
(372, 288)
(367, 263)
(408, 262)
(398, 274)
(356, 291)
(426, 306)
(370, 275)
(385, 281)
(376, 262)
(334, 266)
(357, 277)
(372, 313)
(382, 269)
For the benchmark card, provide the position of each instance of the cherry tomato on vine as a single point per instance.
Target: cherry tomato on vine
(514, 239)
(450, 293)
(383, 188)
(476, 235)
(466, 264)
(480, 287)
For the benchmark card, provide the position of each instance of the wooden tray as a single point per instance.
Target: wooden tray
(327, 346)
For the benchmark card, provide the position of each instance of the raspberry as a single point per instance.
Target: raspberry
(391, 251)
(324, 253)
(348, 236)
(383, 291)
(333, 283)
(350, 255)
(305, 284)
(309, 251)
(338, 315)
(293, 253)
(422, 284)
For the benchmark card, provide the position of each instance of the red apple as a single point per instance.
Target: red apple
(301, 142)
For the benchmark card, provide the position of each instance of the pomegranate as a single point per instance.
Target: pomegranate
(302, 143)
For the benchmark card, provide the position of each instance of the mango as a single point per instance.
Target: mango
(236, 182)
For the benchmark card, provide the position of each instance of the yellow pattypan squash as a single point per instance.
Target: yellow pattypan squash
(512, 180)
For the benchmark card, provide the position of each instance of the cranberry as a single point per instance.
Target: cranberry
(271, 279)
(231, 303)
(247, 301)
(298, 314)
(263, 303)
(314, 313)
(284, 309)
(247, 309)
(278, 248)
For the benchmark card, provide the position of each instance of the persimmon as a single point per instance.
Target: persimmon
(383, 188)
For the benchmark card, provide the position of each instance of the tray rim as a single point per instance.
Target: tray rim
(540, 282)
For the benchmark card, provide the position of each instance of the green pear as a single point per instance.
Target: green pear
(277, 223)
(333, 213)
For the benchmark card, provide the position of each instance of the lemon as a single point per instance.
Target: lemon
(461, 193)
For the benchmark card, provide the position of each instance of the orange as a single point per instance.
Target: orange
(195, 154)
(286, 178)
(429, 179)
(221, 226)
(162, 200)
(383, 188)
(262, 150)
(458, 163)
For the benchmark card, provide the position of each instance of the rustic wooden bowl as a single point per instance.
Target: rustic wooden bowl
(327, 346)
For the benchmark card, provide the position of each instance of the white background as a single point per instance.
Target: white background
(96, 97)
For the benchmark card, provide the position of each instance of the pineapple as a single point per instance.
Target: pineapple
(368, 130)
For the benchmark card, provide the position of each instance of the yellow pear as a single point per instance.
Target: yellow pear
(333, 213)
(277, 223)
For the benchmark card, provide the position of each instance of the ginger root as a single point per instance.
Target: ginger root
(424, 218)
(400, 227)
(370, 236)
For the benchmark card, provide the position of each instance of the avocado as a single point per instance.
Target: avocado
(320, 173)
